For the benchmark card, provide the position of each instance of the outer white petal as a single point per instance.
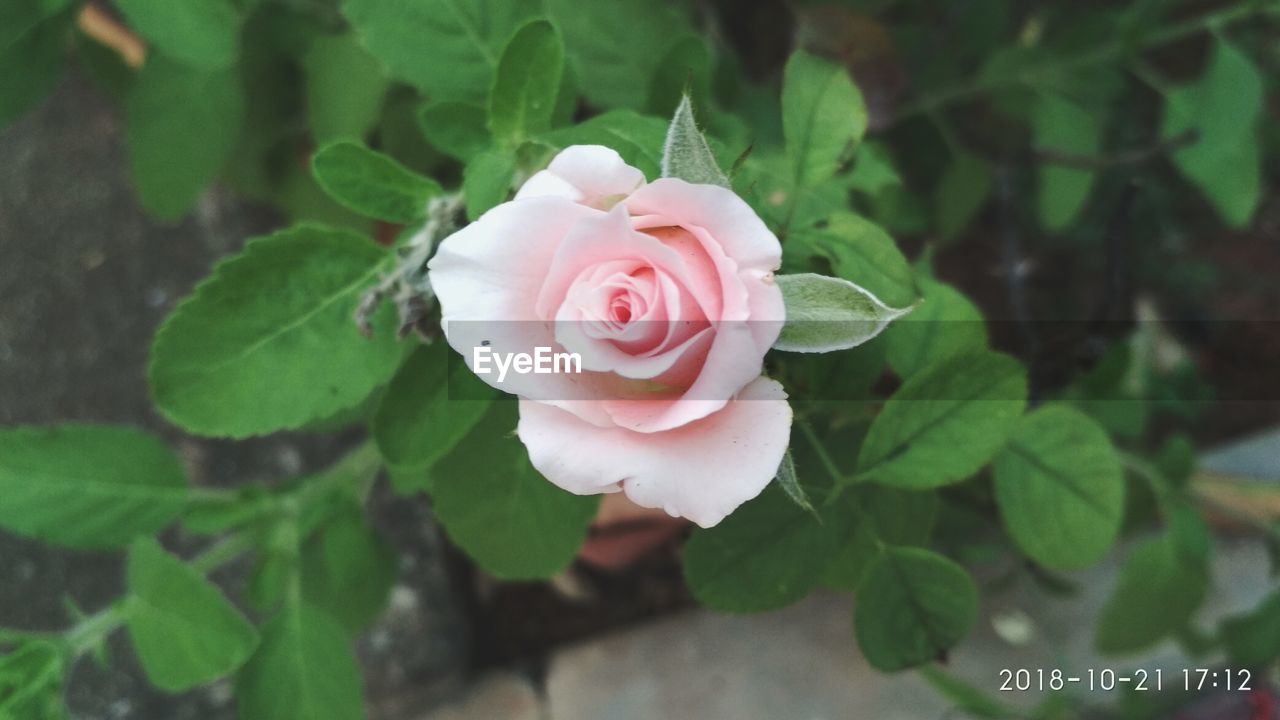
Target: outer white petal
(487, 277)
(725, 216)
(545, 183)
(592, 175)
(702, 471)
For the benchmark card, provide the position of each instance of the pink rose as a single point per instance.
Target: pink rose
(666, 292)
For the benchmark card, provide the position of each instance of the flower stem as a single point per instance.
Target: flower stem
(223, 552)
(10, 635)
(92, 630)
(824, 457)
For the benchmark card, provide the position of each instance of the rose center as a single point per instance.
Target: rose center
(620, 309)
(622, 298)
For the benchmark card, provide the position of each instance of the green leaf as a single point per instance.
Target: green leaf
(567, 102)
(302, 200)
(767, 554)
(1190, 535)
(18, 18)
(945, 422)
(304, 669)
(203, 34)
(913, 606)
(766, 175)
(348, 570)
(400, 136)
(615, 47)
(863, 253)
(1156, 594)
(973, 701)
(33, 45)
(1114, 391)
(790, 483)
(1060, 488)
(31, 680)
(372, 184)
(487, 180)
(493, 504)
(456, 129)
(181, 127)
(527, 85)
(421, 417)
(186, 633)
(823, 115)
(1226, 109)
(687, 67)
(874, 173)
(845, 376)
(1062, 126)
(1253, 639)
(267, 342)
(883, 514)
(408, 480)
(447, 48)
(264, 162)
(637, 138)
(944, 325)
(686, 154)
(88, 486)
(826, 314)
(103, 65)
(1177, 460)
(962, 193)
(345, 88)
(271, 575)
(214, 516)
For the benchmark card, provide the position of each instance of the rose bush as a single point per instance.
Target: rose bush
(666, 291)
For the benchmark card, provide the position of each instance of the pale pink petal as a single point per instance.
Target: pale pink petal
(745, 294)
(593, 175)
(701, 471)
(767, 311)
(602, 238)
(734, 359)
(701, 265)
(603, 241)
(494, 268)
(724, 215)
(603, 355)
(545, 183)
(487, 277)
(694, 258)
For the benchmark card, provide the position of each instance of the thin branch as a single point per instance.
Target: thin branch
(824, 457)
(1134, 156)
(1107, 51)
(1150, 76)
(1015, 267)
(1116, 303)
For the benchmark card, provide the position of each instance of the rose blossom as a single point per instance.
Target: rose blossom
(666, 291)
